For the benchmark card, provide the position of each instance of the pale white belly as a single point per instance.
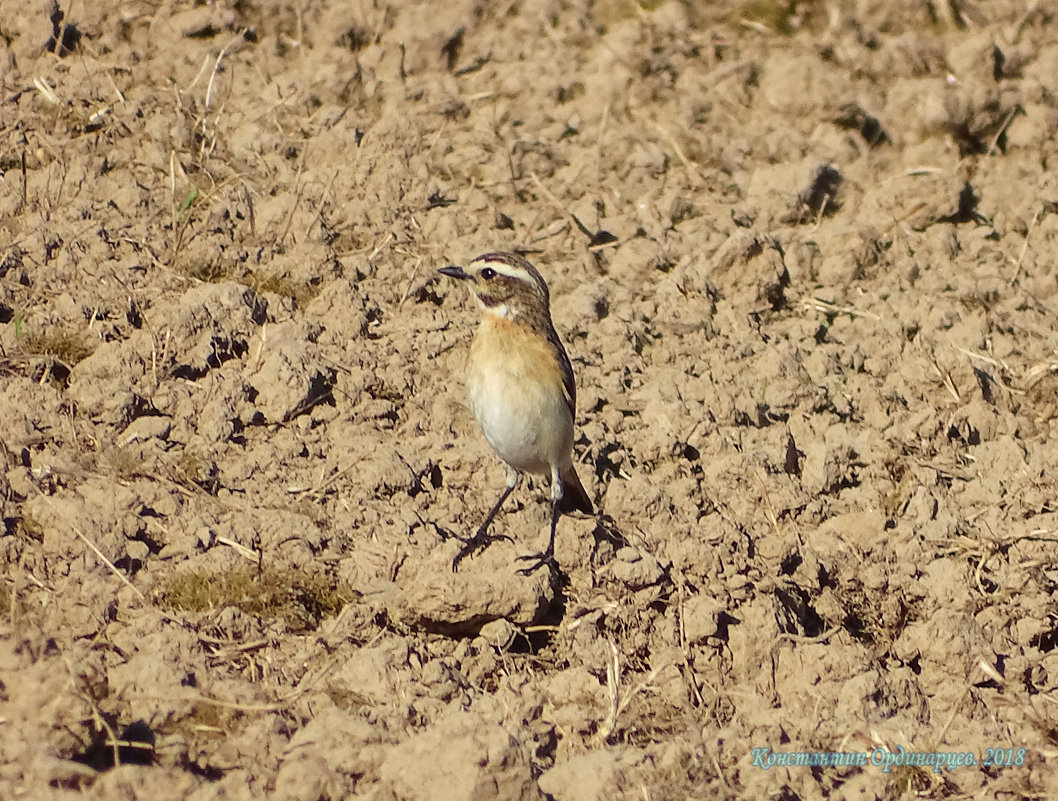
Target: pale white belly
(525, 420)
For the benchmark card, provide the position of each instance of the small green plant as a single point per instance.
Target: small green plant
(212, 272)
(191, 469)
(189, 199)
(65, 346)
(181, 220)
(772, 14)
(122, 462)
(907, 780)
(299, 599)
(301, 292)
(31, 528)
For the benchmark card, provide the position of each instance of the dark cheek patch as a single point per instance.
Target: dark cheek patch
(489, 300)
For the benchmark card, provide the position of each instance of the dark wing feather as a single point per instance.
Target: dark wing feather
(567, 371)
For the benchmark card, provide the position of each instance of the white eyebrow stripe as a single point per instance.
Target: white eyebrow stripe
(510, 271)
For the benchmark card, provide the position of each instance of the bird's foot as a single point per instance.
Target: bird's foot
(538, 561)
(481, 540)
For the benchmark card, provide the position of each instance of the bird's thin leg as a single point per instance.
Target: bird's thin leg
(547, 556)
(482, 539)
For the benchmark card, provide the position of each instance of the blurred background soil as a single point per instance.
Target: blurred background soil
(802, 256)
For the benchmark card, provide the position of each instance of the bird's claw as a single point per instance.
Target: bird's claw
(544, 558)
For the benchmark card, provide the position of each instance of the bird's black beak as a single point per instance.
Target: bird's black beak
(455, 272)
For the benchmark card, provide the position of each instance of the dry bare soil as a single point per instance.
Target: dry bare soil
(803, 258)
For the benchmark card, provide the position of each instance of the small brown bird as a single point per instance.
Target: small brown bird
(521, 389)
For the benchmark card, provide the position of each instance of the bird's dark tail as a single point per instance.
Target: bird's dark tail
(574, 497)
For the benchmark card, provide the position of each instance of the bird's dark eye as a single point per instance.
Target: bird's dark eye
(488, 273)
